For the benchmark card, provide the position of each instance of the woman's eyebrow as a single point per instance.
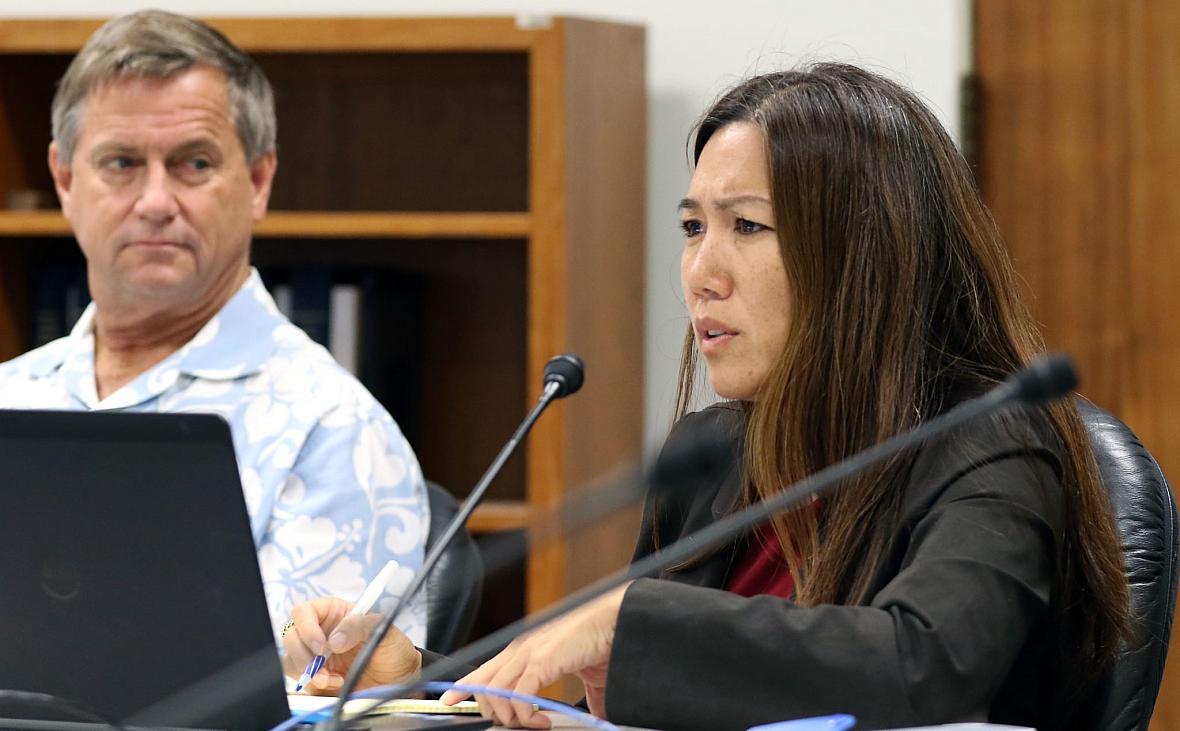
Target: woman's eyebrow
(724, 203)
(731, 201)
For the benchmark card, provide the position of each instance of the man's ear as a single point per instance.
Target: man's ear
(63, 176)
(262, 174)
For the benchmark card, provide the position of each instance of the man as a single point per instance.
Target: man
(163, 154)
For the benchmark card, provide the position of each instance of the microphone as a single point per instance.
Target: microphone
(564, 375)
(1044, 380)
(567, 372)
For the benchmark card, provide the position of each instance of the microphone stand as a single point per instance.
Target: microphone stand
(563, 376)
(1044, 380)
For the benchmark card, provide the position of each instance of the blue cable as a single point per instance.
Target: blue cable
(438, 686)
(295, 720)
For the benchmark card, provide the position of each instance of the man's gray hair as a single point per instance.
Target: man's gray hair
(158, 45)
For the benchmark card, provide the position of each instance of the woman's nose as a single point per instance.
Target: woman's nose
(705, 269)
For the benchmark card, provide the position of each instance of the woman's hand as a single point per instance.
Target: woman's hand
(577, 644)
(395, 660)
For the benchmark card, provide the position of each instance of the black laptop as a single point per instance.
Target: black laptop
(129, 584)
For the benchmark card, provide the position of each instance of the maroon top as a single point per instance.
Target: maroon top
(761, 568)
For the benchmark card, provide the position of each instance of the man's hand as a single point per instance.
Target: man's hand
(396, 658)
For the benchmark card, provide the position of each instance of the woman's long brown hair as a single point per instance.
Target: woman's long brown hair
(902, 302)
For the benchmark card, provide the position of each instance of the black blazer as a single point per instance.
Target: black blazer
(954, 628)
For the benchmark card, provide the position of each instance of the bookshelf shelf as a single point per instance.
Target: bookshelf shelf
(259, 35)
(323, 224)
(500, 515)
(483, 180)
(15, 224)
(459, 225)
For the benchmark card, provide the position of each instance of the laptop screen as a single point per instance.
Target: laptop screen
(129, 581)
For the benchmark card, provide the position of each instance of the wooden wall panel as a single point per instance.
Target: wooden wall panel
(1153, 236)
(1079, 149)
(606, 63)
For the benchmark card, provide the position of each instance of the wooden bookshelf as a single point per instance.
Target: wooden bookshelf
(495, 165)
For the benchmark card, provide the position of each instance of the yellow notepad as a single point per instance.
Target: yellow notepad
(300, 703)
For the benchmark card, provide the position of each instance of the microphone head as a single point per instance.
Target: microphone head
(567, 371)
(1047, 378)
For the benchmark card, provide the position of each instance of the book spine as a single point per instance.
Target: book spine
(49, 313)
(311, 294)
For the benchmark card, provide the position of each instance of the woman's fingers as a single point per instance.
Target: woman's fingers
(504, 677)
(528, 716)
(479, 676)
(516, 673)
(451, 697)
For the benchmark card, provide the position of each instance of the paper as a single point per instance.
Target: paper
(301, 703)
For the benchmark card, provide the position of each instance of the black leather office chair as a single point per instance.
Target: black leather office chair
(1146, 515)
(454, 588)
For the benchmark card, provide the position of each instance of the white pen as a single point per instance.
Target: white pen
(372, 592)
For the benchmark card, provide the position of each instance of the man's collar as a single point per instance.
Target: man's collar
(239, 339)
(79, 343)
(236, 342)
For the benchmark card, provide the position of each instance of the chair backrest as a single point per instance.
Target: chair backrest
(1146, 516)
(454, 588)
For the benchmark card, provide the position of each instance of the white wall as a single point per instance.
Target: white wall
(695, 50)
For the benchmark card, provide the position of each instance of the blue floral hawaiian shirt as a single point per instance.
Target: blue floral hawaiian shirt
(332, 487)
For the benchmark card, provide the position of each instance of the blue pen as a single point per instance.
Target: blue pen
(368, 598)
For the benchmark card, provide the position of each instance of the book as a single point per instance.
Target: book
(311, 295)
(344, 313)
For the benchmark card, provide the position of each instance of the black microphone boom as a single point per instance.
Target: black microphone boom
(1045, 379)
(701, 457)
(564, 375)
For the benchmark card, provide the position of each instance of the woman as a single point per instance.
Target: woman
(845, 283)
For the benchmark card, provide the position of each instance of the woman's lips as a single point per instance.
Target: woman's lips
(716, 343)
(714, 335)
